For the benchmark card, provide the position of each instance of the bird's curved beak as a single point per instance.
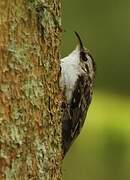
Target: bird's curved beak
(80, 44)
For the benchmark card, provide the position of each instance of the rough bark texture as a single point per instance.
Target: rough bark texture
(30, 127)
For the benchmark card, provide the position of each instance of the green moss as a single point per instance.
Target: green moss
(15, 136)
(5, 69)
(47, 65)
(31, 129)
(29, 160)
(33, 89)
(5, 88)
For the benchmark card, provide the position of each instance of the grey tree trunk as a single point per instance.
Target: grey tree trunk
(30, 98)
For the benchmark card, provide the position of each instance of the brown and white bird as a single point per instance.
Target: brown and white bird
(78, 71)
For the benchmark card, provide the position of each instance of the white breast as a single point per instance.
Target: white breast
(70, 70)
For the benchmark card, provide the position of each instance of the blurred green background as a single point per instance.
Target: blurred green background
(102, 151)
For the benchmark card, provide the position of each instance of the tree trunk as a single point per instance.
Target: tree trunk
(30, 98)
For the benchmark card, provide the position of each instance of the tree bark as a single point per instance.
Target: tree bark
(30, 98)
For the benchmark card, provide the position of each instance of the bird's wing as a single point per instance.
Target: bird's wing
(75, 113)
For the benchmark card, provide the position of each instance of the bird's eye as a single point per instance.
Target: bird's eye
(83, 56)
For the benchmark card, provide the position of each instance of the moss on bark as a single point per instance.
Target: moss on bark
(30, 127)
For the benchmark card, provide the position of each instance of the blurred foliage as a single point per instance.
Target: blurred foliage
(102, 151)
(104, 27)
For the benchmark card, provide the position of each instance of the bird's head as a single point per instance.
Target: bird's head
(87, 61)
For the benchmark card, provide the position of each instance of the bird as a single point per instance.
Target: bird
(78, 71)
